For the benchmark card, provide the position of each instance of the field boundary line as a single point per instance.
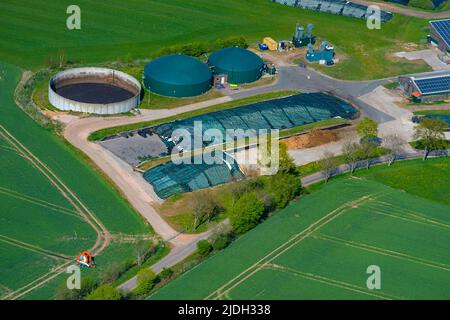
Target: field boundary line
(286, 246)
(47, 174)
(417, 221)
(103, 235)
(44, 279)
(41, 203)
(419, 216)
(328, 281)
(386, 252)
(33, 248)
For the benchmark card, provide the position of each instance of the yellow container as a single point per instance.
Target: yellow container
(272, 44)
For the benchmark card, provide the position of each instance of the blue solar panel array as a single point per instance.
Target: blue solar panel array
(443, 28)
(433, 85)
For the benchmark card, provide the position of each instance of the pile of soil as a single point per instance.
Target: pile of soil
(314, 138)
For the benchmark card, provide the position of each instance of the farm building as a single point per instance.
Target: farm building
(94, 90)
(337, 7)
(427, 89)
(177, 76)
(440, 34)
(240, 65)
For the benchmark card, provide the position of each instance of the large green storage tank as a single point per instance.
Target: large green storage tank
(240, 65)
(177, 76)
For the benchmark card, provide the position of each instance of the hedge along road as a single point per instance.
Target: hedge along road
(79, 184)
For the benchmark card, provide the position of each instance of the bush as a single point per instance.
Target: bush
(87, 285)
(367, 128)
(222, 237)
(115, 270)
(284, 188)
(104, 292)
(166, 273)
(146, 279)
(247, 212)
(204, 248)
(205, 209)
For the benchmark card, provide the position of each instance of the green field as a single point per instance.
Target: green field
(320, 246)
(41, 228)
(137, 29)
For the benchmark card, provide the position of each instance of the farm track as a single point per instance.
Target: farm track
(328, 281)
(267, 259)
(386, 252)
(33, 248)
(39, 202)
(103, 235)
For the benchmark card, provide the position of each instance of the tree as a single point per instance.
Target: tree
(104, 292)
(395, 144)
(204, 248)
(146, 279)
(247, 212)
(431, 134)
(286, 163)
(205, 209)
(221, 237)
(367, 128)
(351, 155)
(367, 152)
(166, 273)
(283, 188)
(328, 165)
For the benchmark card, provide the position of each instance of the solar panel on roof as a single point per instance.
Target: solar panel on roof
(443, 28)
(433, 85)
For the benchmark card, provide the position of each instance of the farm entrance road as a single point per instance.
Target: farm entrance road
(404, 10)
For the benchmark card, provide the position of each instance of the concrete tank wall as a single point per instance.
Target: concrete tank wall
(94, 75)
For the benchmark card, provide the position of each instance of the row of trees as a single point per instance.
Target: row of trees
(429, 135)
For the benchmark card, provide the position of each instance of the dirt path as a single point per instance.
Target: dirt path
(405, 11)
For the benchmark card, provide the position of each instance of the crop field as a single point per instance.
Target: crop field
(137, 29)
(52, 205)
(321, 246)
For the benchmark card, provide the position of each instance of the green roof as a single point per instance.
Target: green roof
(178, 69)
(241, 65)
(236, 59)
(177, 76)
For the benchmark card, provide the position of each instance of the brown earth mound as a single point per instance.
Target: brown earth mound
(314, 138)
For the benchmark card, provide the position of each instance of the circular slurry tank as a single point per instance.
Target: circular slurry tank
(94, 90)
(240, 65)
(177, 76)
